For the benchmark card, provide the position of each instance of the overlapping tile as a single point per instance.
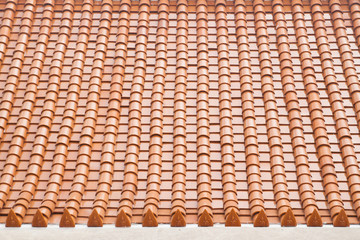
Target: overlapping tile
(294, 114)
(256, 197)
(25, 116)
(47, 114)
(8, 96)
(6, 27)
(205, 218)
(112, 121)
(226, 129)
(134, 129)
(271, 112)
(179, 112)
(178, 207)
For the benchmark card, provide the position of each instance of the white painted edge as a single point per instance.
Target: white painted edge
(164, 232)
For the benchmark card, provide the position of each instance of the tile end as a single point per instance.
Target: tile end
(122, 220)
(149, 219)
(205, 219)
(94, 219)
(67, 220)
(341, 220)
(232, 219)
(261, 219)
(12, 220)
(39, 220)
(314, 219)
(288, 219)
(178, 219)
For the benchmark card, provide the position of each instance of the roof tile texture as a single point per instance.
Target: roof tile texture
(179, 112)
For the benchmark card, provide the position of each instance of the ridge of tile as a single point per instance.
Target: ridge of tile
(271, 111)
(152, 198)
(352, 80)
(47, 114)
(25, 115)
(256, 199)
(305, 184)
(91, 113)
(113, 113)
(335, 99)
(204, 198)
(321, 138)
(5, 30)
(8, 97)
(226, 129)
(178, 209)
(134, 126)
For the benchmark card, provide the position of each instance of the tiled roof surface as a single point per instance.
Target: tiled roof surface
(179, 112)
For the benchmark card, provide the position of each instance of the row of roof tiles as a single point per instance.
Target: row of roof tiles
(152, 198)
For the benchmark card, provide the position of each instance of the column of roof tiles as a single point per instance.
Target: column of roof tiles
(112, 120)
(16, 67)
(316, 113)
(352, 80)
(226, 129)
(337, 106)
(203, 141)
(152, 198)
(48, 111)
(178, 210)
(25, 115)
(256, 198)
(134, 131)
(355, 16)
(306, 190)
(271, 115)
(12, 160)
(88, 130)
(5, 31)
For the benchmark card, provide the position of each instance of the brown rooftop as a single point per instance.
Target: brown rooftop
(179, 112)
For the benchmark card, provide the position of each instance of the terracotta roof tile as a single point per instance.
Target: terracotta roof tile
(112, 121)
(133, 144)
(151, 112)
(251, 144)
